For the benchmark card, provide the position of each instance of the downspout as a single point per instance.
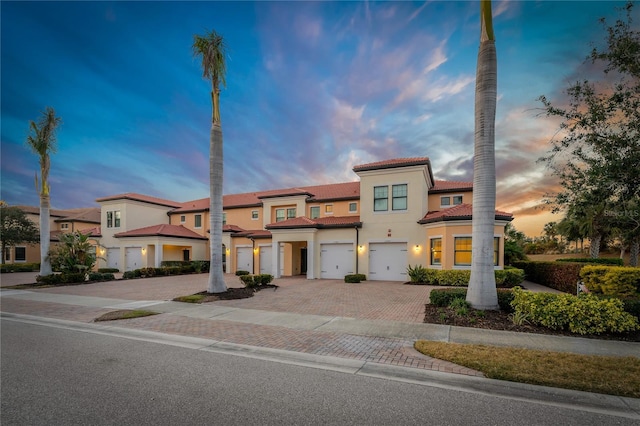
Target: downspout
(357, 247)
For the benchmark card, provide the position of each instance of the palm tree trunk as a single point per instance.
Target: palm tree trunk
(216, 275)
(594, 249)
(634, 251)
(482, 293)
(45, 236)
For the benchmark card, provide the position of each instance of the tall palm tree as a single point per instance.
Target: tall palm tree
(482, 293)
(42, 141)
(211, 49)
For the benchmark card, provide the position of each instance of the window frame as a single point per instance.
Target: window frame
(453, 200)
(224, 218)
(448, 203)
(291, 213)
(311, 210)
(280, 218)
(379, 197)
(404, 197)
(433, 251)
(195, 221)
(255, 215)
(16, 259)
(116, 218)
(183, 218)
(456, 250)
(110, 219)
(328, 209)
(355, 207)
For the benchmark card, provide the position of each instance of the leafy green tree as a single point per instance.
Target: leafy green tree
(211, 49)
(16, 228)
(42, 141)
(514, 242)
(73, 254)
(597, 151)
(482, 292)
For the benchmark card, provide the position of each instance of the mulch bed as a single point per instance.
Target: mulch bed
(500, 320)
(234, 293)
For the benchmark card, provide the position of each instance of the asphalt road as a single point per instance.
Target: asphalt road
(58, 376)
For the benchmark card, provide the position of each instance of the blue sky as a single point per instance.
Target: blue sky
(313, 89)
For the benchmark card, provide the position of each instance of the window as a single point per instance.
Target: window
(436, 251)
(314, 212)
(399, 200)
(183, 219)
(109, 219)
(279, 215)
(462, 251)
(254, 214)
(445, 201)
(20, 254)
(328, 209)
(462, 254)
(457, 199)
(224, 218)
(198, 221)
(64, 226)
(380, 198)
(116, 219)
(291, 213)
(353, 207)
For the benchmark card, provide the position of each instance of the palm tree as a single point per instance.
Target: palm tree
(211, 49)
(42, 141)
(482, 293)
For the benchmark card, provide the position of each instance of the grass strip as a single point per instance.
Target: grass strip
(600, 374)
(125, 314)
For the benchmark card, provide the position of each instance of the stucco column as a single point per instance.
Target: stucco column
(311, 266)
(275, 258)
(158, 255)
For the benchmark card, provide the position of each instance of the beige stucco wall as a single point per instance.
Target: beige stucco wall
(340, 208)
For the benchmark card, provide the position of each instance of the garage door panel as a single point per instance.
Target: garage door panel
(133, 258)
(265, 260)
(113, 258)
(336, 260)
(244, 259)
(388, 261)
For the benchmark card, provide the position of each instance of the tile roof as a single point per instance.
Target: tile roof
(323, 222)
(192, 206)
(164, 230)
(448, 186)
(231, 228)
(90, 215)
(253, 234)
(459, 212)
(142, 198)
(393, 163)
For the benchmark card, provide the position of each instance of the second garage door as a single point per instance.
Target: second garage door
(336, 260)
(244, 259)
(388, 261)
(133, 258)
(265, 259)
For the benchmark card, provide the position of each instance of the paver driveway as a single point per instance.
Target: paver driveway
(368, 300)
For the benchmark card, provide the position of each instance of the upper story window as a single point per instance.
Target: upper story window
(198, 221)
(254, 214)
(399, 193)
(291, 213)
(64, 226)
(328, 209)
(446, 201)
(224, 218)
(457, 199)
(380, 198)
(183, 218)
(314, 212)
(113, 219)
(353, 207)
(279, 215)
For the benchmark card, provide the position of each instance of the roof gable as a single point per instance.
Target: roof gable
(163, 230)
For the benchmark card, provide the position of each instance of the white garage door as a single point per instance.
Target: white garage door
(133, 258)
(336, 260)
(244, 259)
(388, 261)
(265, 259)
(113, 258)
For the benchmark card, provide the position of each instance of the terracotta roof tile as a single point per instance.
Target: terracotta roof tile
(396, 162)
(324, 222)
(253, 234)
(200, 205)
(459, 212)
(232, 228)
(89, 215)
(142, 198)
(448, 186)
(164, 230)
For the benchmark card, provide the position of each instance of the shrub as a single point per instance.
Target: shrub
(454, 277)
(617, 281)
(600, 261)
(73, 277)
(417, 274)
(586, 314)
(505, 297)
(561, 276)
(131, 274)
(241, 272)
(53, 279)
(444, 297)
(201, 266)
(99, 276)
(108, 270)
(632, 306)
(509, 277)
(354, 278)
(248, 280)
(19, 267)
(265, 278)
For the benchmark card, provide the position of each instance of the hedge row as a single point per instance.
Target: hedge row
(200, 266)
(559, 275)
(616, 281)
(159, 272)
(599, 261)
(444, 297)
(584, 314)
(64, 278)
(460, 278)
(19, 267)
